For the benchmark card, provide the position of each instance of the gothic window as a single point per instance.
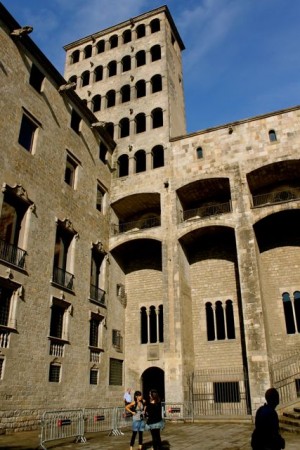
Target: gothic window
(140, 58)
(126, 36)
(157, 156)
(220, 321)
(97, 293)
(63, 258)
(152, 324)
(125, 93)
(100, 46)
(157, 118)
(155, 25)
(113, 41)
(110, 98)
(98, 73)
(96, 103)
(87, 52)
(126, 63)
(74, 57)
(112, 68)
(140, 31)
(199, 152)
(140, 161)
(155, 53)
(124, 127)
(272, 136)
(85, 78)
(123, 165)
(140, 87)
(140, 123)
(291, 309)
(156, 83)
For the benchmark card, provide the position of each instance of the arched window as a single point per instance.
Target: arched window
(161, 323)
(140, 58)
(73, 79)
(288, 313)
(140, 161)
(140, 87)
(152, 325)
(100, 46)
(126, 36)
(156, 83)
(113, 41)
(229, 320)
(210, 323)
(110, 98)
(272, 136)
(87, 52)
(297, 309)
(112, 68)
(157, 156)
(74, 57)
(199, 152)
(126, 63)
(123, 165)
(157, 118)
(155, 25)
(220, 323)
(144, 326)
(96, 103)
(85, 78)
(124, 125)
(140, 123)
(110, 128)
(125, 93)
(155, 53)
(140, 31)
(98, 73)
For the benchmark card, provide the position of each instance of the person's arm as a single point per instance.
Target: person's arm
(128, 408)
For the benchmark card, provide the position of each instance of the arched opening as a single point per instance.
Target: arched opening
(153, 378)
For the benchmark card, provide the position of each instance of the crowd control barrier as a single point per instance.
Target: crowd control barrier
(98, 419)
(62, 425)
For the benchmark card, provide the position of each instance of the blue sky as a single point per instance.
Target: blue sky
(242, 57)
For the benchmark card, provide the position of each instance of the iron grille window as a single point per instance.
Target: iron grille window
(5, 296)
(227, 392)
(115, 372)
(54, 373)
(94, 332)
(93, 376)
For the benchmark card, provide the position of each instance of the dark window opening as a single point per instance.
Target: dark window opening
(272, 136)
(155, 53)
(124, 127)
(36, 78)
(115, 372)
(100, 46)
(156, 83)
(27, 133)
(112, 68)
(54, 373)
(140, 31)
(75, 121)
(98, 73)
(110, 98)
(140, 88)
(157, 118)
(75, 56)
(96, 103)
(85, 78)
(87, 51)
(127, 36)
(227, 392)
(125, 93)
(113, 41)
(140, 161)
(155, 25)
(123, 165)
(157, 156)
(140, 58)
(126, 63)
(140, 123)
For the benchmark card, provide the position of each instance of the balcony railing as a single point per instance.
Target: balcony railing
(4, 339)
(12, 254)
(63, 278)
(206, 211)
(57, 349)
(97, 295)
(137, 225)
(275, 197)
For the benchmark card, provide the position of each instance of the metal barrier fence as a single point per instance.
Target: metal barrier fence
(98, 419)
(62, 424)
(178, 411)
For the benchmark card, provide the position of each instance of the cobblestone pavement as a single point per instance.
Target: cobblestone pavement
(175, 436)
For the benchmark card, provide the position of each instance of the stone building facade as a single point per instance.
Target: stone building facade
(133, 253)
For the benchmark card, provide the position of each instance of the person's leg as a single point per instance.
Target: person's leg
(132, 440)
(156, 439)
(140, 440)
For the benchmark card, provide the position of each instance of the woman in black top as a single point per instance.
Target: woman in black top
(154, 418)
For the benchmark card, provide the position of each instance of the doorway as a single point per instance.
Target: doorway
(153, 378)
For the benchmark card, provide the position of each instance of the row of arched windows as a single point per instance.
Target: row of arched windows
(114, 40)
(140, 161)
(126, 93)
(139, 122)
(220, 321)
(112, 66)
(152, 324)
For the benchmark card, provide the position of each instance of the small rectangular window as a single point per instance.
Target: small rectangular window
(93, 376)
(116, 338)
(54, 373)
(36, 78)
(94, 332)
(100, 198)
(70, 171)
(27, 133)
(1, 367)
(115, 372)
(75, 121)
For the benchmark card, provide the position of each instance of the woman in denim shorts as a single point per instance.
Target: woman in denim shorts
(136, 408)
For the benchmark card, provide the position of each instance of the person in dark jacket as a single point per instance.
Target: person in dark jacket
(266, 434)
(155, 421)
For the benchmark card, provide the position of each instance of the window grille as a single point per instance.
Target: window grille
(54, 373)
(227, 392)
(93, 376)
(115, 372)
